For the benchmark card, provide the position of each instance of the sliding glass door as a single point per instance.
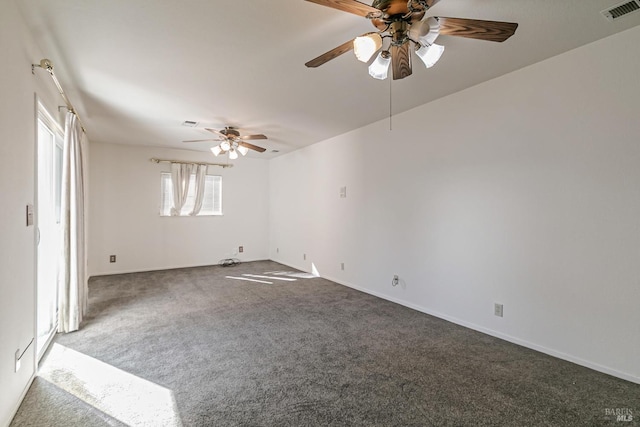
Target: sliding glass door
(49, 182)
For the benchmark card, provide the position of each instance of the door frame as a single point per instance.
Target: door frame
(43, 114)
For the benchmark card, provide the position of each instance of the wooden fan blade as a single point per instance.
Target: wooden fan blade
(258, 136)
(216, 132)
(328, 56)
(351, 6)
(494, 31)
(252, 147)
(401, 61)
(431, 3)
(200, 140)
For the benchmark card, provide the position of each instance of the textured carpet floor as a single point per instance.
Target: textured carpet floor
(310, 352)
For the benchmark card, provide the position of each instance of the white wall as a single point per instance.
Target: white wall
(125, 221)
(17, 187)
(524, 190)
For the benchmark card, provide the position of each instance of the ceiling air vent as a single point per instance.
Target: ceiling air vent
(190, 123)
(621, 9)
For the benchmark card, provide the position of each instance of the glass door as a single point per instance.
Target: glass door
(49, 183)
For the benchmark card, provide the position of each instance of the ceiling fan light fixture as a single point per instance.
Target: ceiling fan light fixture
(225, 145)
(243, 150)
(379, 68)
(426, 31)
(216, 150)
(430, 54)
(233, 154)
(365, 46)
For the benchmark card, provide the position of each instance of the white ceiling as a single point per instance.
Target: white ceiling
(136, 69)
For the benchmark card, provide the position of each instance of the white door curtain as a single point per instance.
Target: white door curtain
(73, 289)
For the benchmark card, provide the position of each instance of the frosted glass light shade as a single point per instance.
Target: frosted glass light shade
(243, 150)
(365, 46)
(225, 145)
(216, 150)
(430, 54)
(380, 67)
(426, 32)
(233, 154)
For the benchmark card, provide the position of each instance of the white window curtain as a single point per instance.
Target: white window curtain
(201, 174)
(180, 176)
(73, 289)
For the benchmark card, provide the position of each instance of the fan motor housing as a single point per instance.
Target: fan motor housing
(230, 132)
(395, 10)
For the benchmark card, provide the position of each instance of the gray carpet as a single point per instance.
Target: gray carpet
(312, 353)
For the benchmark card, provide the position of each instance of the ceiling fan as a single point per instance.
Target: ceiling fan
(232, 142)
(400, 26)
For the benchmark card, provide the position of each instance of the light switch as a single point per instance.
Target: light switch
(29, 215)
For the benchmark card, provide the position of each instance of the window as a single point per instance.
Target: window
(211, 204)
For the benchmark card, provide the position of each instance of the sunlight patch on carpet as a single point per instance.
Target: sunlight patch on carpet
(295, 274)
(257, 276)
(246, 279)
(314, 270)
(119, 394)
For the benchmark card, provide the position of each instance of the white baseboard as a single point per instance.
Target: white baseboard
(297, 267)
(22, 396)
(551, 352)
(168, 267)
(475, 327)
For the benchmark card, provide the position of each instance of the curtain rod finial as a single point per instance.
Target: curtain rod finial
(46, 64)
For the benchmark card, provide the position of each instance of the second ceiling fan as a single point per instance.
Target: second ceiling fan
(400, 25)
(232, 142)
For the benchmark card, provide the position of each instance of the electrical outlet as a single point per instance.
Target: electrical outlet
(304, 256)
(342, 266)
(498, 310)
(112, 258)
(343, 192)
(395, 281)
(277, 250)
(241, 249)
